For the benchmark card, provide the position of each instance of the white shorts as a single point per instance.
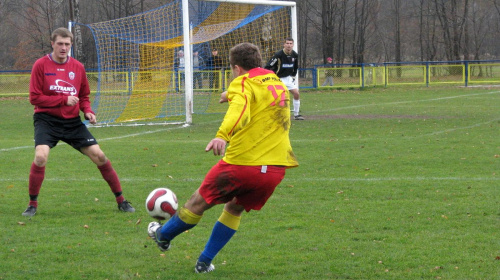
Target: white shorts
(289, 82)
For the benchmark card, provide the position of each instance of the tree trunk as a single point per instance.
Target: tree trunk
(452, 25)
(328, 27)
(341, 33)
(397, 46)
(303, 20)
(78, 41)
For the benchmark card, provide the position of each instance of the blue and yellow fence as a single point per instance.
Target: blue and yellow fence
(464, 73)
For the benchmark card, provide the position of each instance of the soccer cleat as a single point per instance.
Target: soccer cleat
(126, 207)
(30, 211)
(153, 229)
(202, 267)
(298, 118)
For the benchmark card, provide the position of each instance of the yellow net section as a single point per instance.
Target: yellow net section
(141, 69)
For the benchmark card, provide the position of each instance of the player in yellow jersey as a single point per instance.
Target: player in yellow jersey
(256, 127)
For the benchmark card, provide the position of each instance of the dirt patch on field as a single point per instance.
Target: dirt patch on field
(3, 98)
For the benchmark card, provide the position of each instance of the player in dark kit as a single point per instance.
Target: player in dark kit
(285, 63)
(59, 90)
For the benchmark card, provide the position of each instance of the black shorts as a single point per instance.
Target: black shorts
(49, 130)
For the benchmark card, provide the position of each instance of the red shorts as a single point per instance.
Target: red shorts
(251, 185)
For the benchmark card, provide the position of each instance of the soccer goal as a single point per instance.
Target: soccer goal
(146, 70)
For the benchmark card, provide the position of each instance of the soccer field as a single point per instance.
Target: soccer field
(393, 183)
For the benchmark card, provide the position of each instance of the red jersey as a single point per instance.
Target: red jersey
(51, 83)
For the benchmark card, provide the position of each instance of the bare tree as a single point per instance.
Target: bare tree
(355, 31)
(397, 31)
(114, 9)
(427, 31)
(328, 16)
(35, 20)
(364, 11)
(480, 27)
(342, 33)
(74, 8)
(7, 37)
(496, 4)
(304, 19)
(452, 16)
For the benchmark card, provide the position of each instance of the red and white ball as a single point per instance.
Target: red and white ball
(161, 204)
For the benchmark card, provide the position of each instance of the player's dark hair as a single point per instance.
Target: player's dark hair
(289, 39)
(62, 32)
(245, 55)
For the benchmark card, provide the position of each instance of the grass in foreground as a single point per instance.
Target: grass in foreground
(396, 183)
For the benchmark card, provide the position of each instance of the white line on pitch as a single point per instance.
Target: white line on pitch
(458, 128)
(117, 137)
(143, 133)
(104, 139)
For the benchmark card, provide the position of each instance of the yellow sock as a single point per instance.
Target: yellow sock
(229, 220)
(189, 217)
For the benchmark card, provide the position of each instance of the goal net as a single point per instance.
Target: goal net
(146, 67)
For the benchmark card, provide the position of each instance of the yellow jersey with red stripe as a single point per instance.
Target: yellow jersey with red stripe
(257, 122)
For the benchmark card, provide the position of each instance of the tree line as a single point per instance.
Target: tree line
(349, 31)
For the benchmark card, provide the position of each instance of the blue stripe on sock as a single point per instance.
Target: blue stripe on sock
(173, 227)
(221, 234)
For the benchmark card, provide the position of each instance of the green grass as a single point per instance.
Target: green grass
(396, 183)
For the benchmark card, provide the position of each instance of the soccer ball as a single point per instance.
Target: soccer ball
(161, 204)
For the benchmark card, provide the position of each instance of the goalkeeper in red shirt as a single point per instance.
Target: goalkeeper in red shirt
(59, 90)
(256, 127)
